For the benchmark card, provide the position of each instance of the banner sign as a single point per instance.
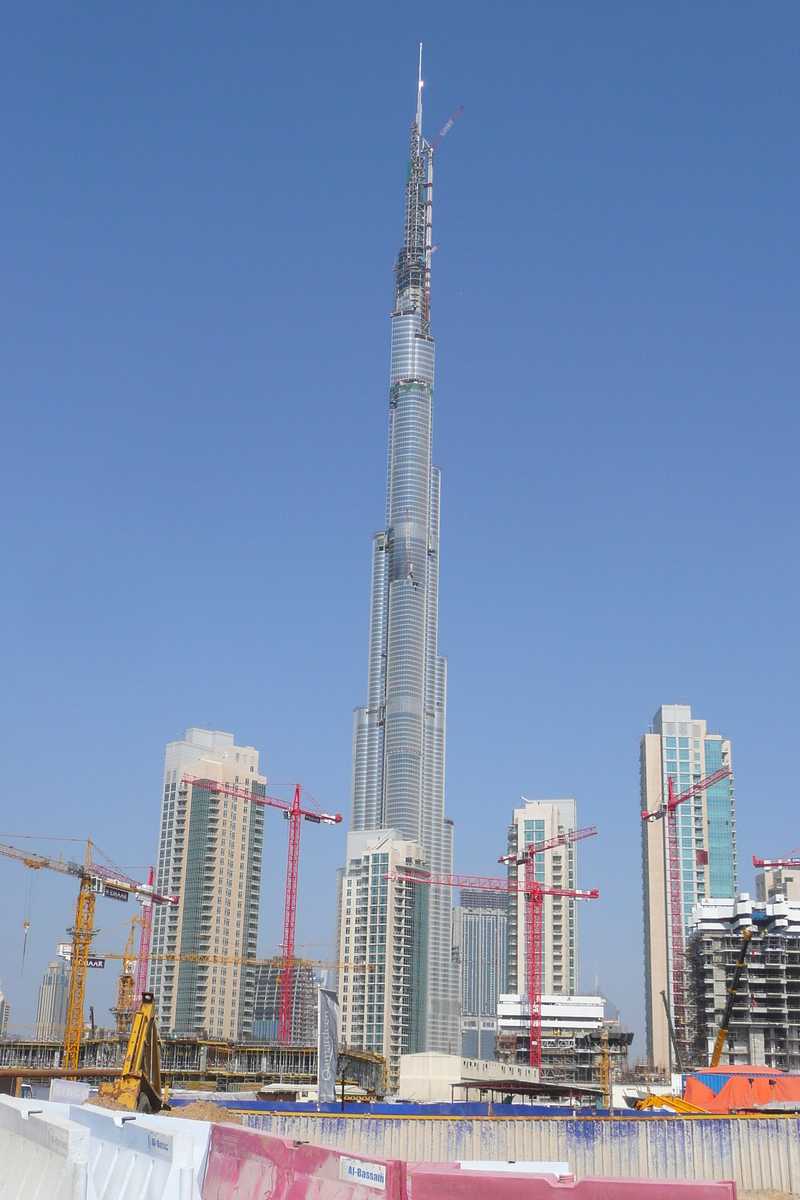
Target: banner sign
(327, 1046)
(65, 951)
(115, 893)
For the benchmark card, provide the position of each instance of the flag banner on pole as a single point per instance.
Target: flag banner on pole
(327, 1046)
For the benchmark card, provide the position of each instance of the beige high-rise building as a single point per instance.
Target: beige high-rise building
(680, 747)
(778, 881)
(210, 856)
(538, 821)
(381, 942)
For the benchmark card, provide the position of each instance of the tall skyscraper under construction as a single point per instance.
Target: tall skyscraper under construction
(399, 736)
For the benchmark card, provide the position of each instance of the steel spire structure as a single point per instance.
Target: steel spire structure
(399, 736)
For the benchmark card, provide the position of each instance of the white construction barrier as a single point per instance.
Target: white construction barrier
(51, 1151)
(43, 1155)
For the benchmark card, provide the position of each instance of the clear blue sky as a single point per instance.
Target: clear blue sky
(199, 209)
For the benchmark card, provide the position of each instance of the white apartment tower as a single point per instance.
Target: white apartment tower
(210, 854)
(382, 946)
(538, 821)
(679, 746)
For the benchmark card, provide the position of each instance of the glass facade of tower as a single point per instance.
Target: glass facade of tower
(399, 737)
(681, 750)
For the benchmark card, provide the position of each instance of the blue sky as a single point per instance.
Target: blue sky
(199, 209)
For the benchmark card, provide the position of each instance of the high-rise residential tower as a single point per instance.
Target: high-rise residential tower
(399, 737)
(538, 821)
(680, 747)
(480, 943)
(210, 857)
(51, 1015)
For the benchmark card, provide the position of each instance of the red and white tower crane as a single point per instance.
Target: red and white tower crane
(670, 811)
(779, 864)
(295, 813)
(534, 897)
(534, 905)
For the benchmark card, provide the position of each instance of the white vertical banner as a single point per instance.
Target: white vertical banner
(327, 1045)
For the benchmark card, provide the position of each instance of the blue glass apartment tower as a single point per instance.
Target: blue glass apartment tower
(680, 747)
(399, 737)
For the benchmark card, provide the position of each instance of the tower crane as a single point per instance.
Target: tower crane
(779, 864)
(295, 814)
(145, 929)
(534, 896)
(96, 879)
(669, 810)
(126, 997)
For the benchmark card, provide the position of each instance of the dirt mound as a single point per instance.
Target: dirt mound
(198, 1110)
(206, 1110)
(106, 1102)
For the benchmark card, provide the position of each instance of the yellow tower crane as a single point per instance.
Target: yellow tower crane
(126, 991)
(96, 879)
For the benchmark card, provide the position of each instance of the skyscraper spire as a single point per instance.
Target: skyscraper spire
(399, 737)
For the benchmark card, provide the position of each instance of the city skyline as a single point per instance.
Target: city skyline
(193, 359)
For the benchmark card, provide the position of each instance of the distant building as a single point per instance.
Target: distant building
(266, 1004)
(774, 882)
(765, 1021)
(680, 748)
(51, 1015)
(381, 944)
(537, 821)
(5, 1009)
(480, 943)
(210, 854)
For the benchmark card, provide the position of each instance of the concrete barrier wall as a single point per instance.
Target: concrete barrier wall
(246, 1165)
(757, 1152)
(249, 1166)
(52, 1151)
(41, 1156)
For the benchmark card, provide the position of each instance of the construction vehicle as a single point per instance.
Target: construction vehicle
(534, 897)
(139, 1086)
(295, 814)
(669, 810)
(96, 879)
(719, 1044)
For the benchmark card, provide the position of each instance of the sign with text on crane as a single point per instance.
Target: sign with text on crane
(115, 893)
(94, 960)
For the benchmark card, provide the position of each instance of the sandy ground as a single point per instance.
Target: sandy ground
(198, 1110)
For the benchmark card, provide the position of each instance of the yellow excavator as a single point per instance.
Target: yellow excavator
(139, 1086)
